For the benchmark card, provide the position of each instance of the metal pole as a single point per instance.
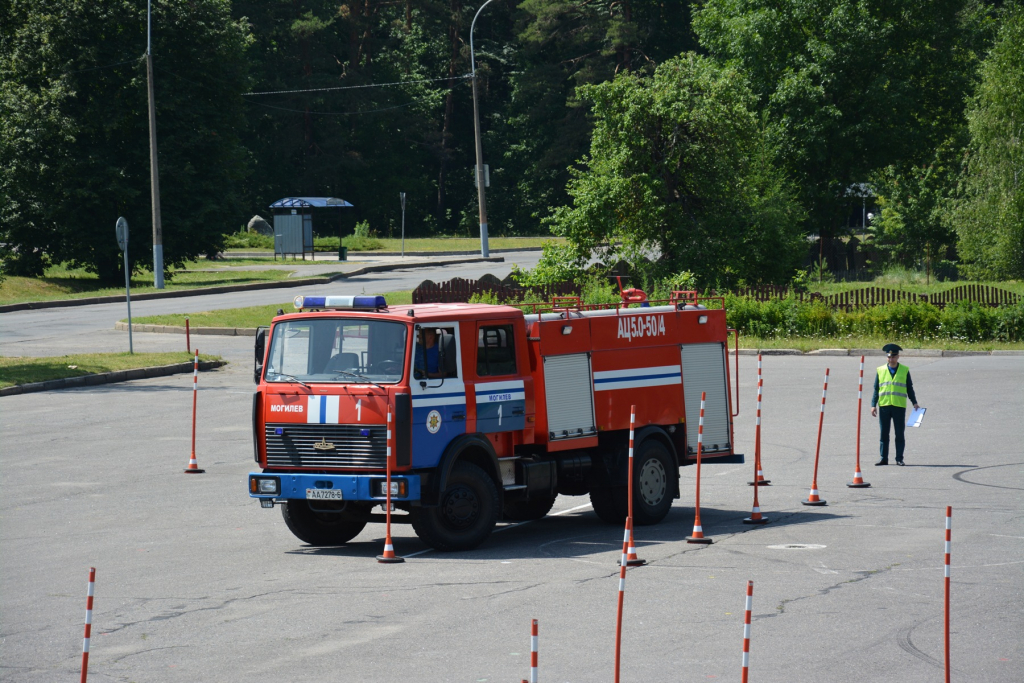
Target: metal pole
(402, 195)
(128, 298)
(484, 249)
(154, 172)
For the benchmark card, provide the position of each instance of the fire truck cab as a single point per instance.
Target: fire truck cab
(494, 413)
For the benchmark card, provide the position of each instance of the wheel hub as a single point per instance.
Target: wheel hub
(461, 507)
(653, 482)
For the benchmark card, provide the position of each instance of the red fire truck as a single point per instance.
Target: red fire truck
(496, 412)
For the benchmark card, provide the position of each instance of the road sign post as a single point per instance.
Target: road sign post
(402, 195)
(122, 242)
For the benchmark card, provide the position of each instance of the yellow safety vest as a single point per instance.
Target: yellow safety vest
(892, 389)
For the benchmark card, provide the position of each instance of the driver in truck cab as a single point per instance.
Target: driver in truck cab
(427, 358)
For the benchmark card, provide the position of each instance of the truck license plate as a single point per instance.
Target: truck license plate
(323, 494)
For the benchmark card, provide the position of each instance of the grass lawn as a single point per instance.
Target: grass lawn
(61, 283)
(251, 316)
(24, 370)
(446, 244)
(910, 282)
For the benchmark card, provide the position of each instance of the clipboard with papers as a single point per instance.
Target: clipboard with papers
(916, 417)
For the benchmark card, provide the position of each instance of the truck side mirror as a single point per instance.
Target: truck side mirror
(261, 350)
(448, 361)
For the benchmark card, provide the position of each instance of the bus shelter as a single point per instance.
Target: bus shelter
(293, 224)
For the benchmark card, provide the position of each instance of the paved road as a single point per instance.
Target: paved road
(86, 329)
(196, 583)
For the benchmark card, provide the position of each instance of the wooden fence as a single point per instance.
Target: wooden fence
(460, 290)
(877, 296)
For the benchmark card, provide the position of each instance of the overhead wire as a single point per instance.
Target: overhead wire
(355, 87)
(333, 113)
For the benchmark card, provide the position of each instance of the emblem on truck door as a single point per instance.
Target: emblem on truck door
(323, 445)
(433, 421)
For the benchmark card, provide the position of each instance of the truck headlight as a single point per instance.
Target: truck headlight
(399, 489)
(267, 486)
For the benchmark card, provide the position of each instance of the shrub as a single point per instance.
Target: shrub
(362, 229)
(920, 321)
(248, 240)
(484, 298)
(597, 290)
(967, 321)
(358, 243)
(815, 319)
(1010, 323)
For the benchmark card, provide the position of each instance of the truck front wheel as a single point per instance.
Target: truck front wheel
(466, 512)
(320, 528)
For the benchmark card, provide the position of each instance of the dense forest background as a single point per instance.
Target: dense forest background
(714, 136)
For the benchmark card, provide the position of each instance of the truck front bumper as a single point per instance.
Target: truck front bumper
(270, 486)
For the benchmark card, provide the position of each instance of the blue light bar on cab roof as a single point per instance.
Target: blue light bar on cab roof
(341, 302)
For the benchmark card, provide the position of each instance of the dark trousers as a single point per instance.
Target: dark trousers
(898, 416)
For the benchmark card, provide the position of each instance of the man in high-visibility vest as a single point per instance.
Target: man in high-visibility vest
(892, 389)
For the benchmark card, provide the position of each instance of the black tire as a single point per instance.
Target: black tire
(527, 510)
(320, 528)
(653, 482)
(609, 502)
(653, 488)
(466, 513)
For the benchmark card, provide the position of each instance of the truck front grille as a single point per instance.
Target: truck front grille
(294, 446)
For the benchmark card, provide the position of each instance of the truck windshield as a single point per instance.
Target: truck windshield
(353, 351)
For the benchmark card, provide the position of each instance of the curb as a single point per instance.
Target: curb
(173, 329)
(328, 254)
(110, 377)
(276, 284)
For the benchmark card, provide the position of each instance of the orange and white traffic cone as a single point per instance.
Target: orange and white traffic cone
(193, 466)
(631, 558)
(389, 556)
(697, 536)
(755, 516)
(759, 479)
(858, 479)
(813, 498)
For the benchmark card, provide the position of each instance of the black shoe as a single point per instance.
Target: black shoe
(900, 463)
(883, 461)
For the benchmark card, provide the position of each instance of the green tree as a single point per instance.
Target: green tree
(74, 152)
(680, 169)
(331, 126)
(988, 214)
(912, 223)
(538, 129)
(857, 85)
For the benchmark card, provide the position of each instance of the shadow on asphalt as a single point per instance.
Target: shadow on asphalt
(570, 536)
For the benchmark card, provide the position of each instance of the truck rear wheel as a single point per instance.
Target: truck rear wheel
(652, 488)
(320, 528)
(466, 512)
(528, 510)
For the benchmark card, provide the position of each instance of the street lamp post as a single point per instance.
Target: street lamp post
(154, 173)
(484, 250)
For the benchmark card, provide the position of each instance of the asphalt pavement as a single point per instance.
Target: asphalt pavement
(195, 582)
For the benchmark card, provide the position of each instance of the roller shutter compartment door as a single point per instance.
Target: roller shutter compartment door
(704, 370)
(569, 391)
